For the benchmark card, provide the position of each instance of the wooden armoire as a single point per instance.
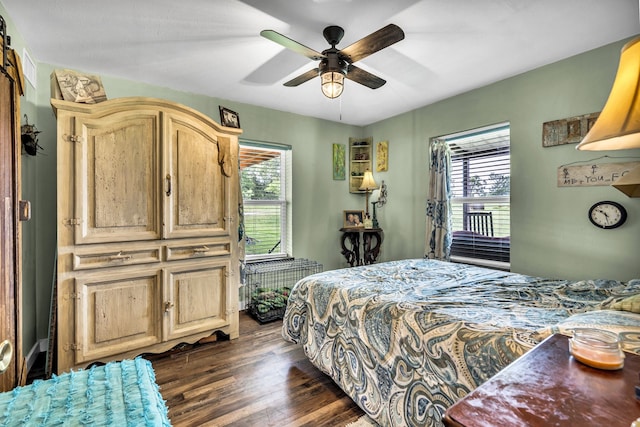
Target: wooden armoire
(146, 228)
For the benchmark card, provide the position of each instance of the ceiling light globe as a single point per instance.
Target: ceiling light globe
(332, 84)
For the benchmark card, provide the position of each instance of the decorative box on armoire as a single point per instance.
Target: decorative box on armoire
(146, 229)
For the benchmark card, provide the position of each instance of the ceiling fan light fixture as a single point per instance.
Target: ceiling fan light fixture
(336, 64)
(332, 84)
(332, 72)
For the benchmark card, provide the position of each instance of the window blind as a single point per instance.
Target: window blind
(480, 186)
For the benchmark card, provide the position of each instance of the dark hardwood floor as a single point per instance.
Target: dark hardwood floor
(258, 379)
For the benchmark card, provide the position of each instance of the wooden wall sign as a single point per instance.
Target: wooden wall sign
(567, 131)
(594, 174)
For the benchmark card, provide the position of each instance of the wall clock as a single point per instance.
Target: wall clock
(607, 214)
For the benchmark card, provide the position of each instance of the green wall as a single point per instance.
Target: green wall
(551, 235)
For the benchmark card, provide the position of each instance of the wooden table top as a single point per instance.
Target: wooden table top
(548, 387)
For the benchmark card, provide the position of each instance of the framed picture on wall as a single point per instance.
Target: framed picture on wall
(229, 118)
(382, 156)
(339, 161)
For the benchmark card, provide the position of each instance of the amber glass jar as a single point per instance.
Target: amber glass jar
(597, 348)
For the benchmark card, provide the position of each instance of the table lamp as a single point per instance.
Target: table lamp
(368, 184)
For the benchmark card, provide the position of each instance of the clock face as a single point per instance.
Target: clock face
(607, 214)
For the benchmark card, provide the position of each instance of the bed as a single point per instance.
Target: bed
(406, 339)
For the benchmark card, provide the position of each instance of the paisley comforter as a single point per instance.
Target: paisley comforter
(406, 339)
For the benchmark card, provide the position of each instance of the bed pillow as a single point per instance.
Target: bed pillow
(631, 304)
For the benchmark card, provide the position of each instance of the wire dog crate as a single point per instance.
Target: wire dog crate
(268, 283)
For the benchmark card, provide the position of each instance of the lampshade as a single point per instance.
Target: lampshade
(629, 184)
(368, 182)
(332, 84)
(618, 125)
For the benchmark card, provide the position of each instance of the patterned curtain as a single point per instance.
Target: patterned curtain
(241, 233)
(438, 236)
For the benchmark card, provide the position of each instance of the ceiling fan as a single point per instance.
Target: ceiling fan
(336, 64)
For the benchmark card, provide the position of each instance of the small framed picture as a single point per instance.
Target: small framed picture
(353, 219)
(338, 161)
(229, 118)
(382, 156)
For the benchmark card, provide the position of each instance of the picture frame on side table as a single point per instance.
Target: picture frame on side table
(353, 218)
(229, 118)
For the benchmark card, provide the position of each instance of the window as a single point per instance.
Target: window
(263, 172)
(480, 204)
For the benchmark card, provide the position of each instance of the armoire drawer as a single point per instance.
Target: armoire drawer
(193, 250)
(103, 257)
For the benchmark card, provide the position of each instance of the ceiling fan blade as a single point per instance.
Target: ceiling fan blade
(363, 77)
(303, 77)
(372, 43)
(291, 44)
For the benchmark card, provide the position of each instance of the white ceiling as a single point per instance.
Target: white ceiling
(213, 47)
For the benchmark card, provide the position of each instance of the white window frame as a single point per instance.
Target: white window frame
(284, 201)
(483, 200)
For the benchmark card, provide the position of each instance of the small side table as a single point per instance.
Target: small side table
(548, 387)
(371, 241)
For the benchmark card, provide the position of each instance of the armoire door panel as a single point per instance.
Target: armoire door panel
(195, 298)
(117, 179)
(195, 203)
(116, 312)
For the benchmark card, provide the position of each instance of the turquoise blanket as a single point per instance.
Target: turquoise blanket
(116, 394)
